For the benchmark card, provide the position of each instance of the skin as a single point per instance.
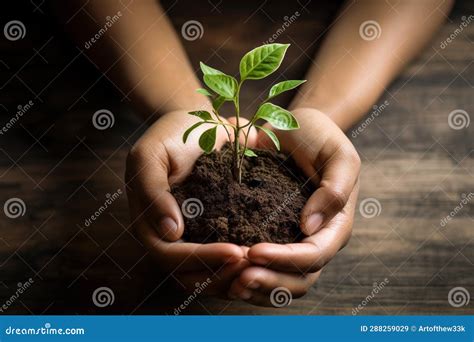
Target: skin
(347, 76)
(160, 159)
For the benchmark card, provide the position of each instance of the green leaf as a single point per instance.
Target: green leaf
(278, 117)
(262, 61)
(271, 135)
(203, 114)
(190, 129)
(281, 87)
(207, 70)
(203, 92)
(208, 139)
(218, 102)
(249, 153)
(223, 85)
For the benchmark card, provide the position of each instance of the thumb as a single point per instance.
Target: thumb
(338, 181)
(148, 182)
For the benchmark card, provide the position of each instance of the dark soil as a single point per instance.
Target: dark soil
(264, 208)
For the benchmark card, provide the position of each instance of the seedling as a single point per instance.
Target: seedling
(256, 64)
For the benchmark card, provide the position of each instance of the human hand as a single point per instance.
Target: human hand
(156, 161)
(326, 155)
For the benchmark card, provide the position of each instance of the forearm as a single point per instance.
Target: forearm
(140, 52)
(350, 73)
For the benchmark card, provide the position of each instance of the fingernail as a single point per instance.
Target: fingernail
(314, 221)
(245, 294)
(168, 225)
(253, 285)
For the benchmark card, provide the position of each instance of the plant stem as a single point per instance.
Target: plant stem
(237, 157)
(216, 113)
(237, 172)
(249, 124)
(245, 144)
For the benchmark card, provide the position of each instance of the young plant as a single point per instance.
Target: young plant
(256, 64)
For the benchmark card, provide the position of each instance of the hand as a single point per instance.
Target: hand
(326, 155)
(157, 160)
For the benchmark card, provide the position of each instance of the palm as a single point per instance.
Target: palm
(158, 160)
(326, 156)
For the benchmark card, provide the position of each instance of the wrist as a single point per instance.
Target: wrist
(344, 111)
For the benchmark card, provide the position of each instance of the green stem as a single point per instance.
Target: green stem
(216, 113)
(245, 145)
(239, 156)
(237, 162)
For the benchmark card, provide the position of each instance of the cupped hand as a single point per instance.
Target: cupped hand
(327, 156)
(156, 161)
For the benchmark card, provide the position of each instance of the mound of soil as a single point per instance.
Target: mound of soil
(265, 207)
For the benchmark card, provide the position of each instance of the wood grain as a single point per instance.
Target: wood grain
(414, 164)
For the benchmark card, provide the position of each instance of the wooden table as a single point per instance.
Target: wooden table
(414, 164)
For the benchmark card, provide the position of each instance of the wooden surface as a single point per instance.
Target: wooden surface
(414, 164)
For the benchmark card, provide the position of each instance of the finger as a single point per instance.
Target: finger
(266, 280)
(280, 298)
(238, 291)
(339, 176)
(218, 283)
(149, 184)
(298, 257)
(312, 253)
(252, 133)
(182, 256)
